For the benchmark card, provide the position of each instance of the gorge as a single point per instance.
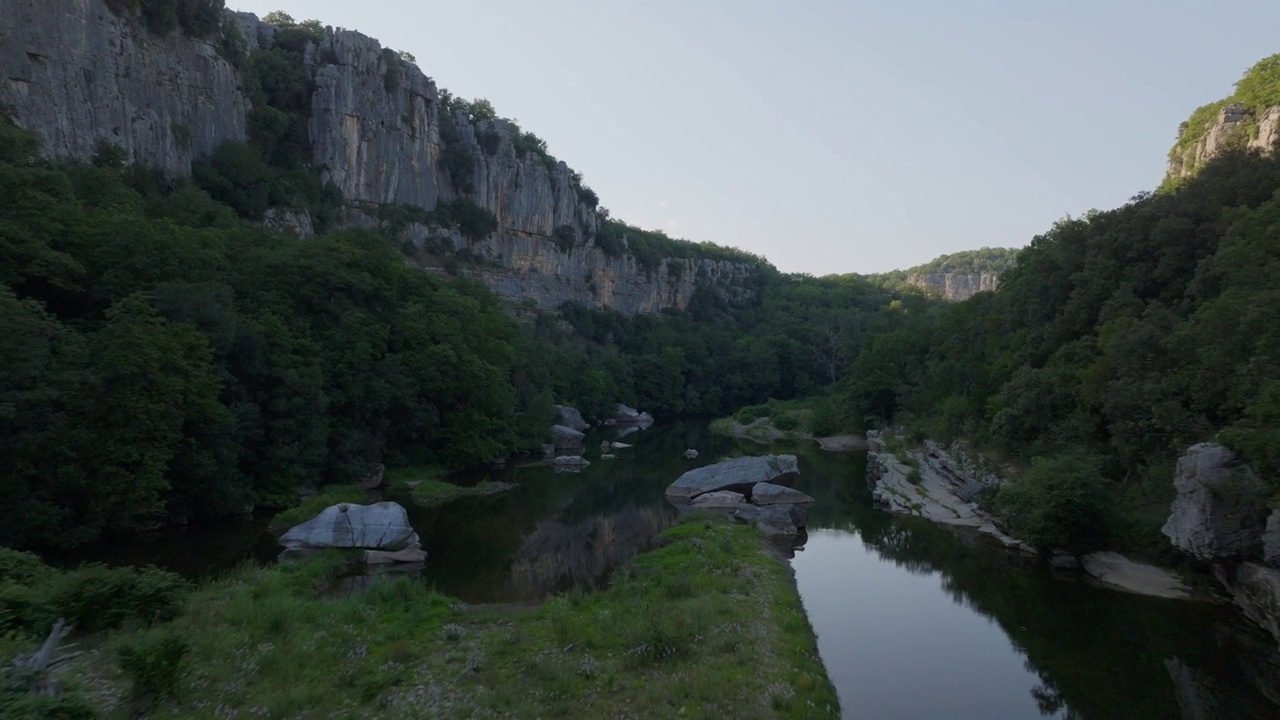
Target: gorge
(248, 263)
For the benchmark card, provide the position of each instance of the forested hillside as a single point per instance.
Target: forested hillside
(164, 353)
(1116, 340)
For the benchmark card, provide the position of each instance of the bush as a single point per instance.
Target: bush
(96, 597)
(751, 413)
(21, 567)
(825, 419)
(786, 422)
(565, 237)
(1060, 502)
(474, 221)
(154, 663)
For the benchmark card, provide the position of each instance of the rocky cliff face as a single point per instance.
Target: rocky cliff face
(1235, 126)
(956, 286)
(1220, 516)
(76, 74)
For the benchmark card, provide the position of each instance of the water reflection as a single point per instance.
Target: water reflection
(914, 621)
(918, 621)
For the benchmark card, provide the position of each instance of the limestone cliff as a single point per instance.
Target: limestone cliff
(955, 286)
(1235, 126)
(1249, 118)
(76, 74)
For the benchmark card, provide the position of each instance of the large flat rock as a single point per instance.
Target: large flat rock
(738, 474)
(770, 494)
(1118, 571)
(381, 526)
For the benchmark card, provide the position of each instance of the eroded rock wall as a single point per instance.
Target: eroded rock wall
(956, 286)
(74, 74)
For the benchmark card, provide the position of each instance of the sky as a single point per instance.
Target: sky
(836, 137)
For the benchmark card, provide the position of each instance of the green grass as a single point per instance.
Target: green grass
(312, 506)
(709, 625)
(435, 492)
(408, 476)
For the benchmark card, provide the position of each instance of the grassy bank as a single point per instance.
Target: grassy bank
(427, 487)
(804, 419)
(709, 625)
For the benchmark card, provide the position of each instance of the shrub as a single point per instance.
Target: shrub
(490, 140)
(21, 567)
(474, 221)
(154, 663)
(825, 419)
(1059, 502)
(786, 422)
(751, 413)
(96, 597)
(565, 237)
(587, 196)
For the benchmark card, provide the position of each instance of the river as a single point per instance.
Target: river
(913, 620)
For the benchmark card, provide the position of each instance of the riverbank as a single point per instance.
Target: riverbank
(811, 419)
(709, 624)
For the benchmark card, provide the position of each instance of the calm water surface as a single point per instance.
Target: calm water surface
(913, 621)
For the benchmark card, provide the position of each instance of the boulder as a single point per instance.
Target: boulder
(381, 526)
(570, 418)
(691, 454)
(548, 448)
(566, 437)
(720, 499)
(1220, 509)
(1256, 589)
(1271, 540)
(571, 461)
(777, 521)
(1063, 560)
(1118, 571)
(412, 554)
(629, 415)
(769, 494)
(739, 474)
(372, 479)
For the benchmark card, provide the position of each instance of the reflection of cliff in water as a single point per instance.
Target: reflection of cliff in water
(1098, 653)
(557, 556)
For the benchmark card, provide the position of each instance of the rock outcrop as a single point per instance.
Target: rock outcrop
(932, 483)
(1234, 126)
(566, 437)
(76, 75)
(956, 286)
(1256, 589)
(570, 418)
(1271, 540)
(738, 474)
(1220, 509)
(1118, 571)
(742, 487)
(382, 529)
(1220, 516)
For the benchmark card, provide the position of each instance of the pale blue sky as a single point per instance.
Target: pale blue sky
(837, 136)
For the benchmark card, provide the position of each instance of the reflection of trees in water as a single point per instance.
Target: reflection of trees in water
(557, 556)
(1098, 653)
